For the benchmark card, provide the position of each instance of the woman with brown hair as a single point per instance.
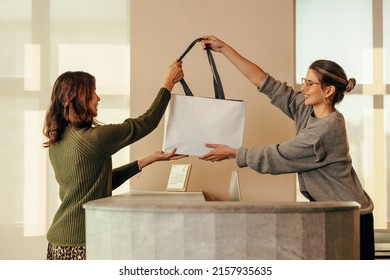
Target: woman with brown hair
(80, 151)
(319, 152)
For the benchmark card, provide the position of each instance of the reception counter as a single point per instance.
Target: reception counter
(184, 226)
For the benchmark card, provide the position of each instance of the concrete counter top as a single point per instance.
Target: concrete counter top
(183, 225)
(194, 201)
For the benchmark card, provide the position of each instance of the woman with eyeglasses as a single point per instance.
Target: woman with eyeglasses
(319, 152)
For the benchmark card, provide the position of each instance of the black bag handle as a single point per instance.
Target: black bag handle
(218, 89)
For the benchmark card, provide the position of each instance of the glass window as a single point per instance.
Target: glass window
(337, 30)
(15, 33)
(40, 41)
(386, 40)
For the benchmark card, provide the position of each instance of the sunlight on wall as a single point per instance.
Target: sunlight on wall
(35, 161)
(387, 132)
(32, 67)
(99, 60)
(375, 177)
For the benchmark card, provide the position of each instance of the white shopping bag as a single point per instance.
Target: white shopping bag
(191, 122)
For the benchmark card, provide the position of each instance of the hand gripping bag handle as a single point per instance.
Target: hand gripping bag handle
(218, 89)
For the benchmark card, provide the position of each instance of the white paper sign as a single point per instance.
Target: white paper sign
(178, 177)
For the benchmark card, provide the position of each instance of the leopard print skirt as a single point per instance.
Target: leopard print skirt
(66, 252)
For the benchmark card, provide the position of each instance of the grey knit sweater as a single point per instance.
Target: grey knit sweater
(319, 152)
(83, 167)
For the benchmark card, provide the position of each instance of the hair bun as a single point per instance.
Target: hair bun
(350, 84)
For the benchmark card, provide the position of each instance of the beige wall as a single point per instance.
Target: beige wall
(261, 30)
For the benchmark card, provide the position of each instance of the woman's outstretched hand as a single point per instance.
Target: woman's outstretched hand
(162, 156)
(219, 152)
(159, 156)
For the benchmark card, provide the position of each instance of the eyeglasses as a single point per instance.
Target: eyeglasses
(308, 83)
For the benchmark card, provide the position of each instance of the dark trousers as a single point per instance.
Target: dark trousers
(367, 241)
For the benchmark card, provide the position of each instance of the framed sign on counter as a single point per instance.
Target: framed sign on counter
(178, 177)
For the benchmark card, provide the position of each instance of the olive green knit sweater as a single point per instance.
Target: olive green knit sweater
(83, 167)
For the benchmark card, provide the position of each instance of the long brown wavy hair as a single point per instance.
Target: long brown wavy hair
(69, 105)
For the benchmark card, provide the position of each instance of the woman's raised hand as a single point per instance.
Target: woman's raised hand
(173, 75)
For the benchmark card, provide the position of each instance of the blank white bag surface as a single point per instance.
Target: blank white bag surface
(191, 122)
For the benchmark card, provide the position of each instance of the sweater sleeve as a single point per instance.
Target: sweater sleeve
(111, 138)
(302, 153)
(283, 96)
(123, 173)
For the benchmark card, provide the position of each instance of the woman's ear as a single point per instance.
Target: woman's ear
(330, 91)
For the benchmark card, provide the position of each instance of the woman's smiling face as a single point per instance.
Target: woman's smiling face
(313, 90)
